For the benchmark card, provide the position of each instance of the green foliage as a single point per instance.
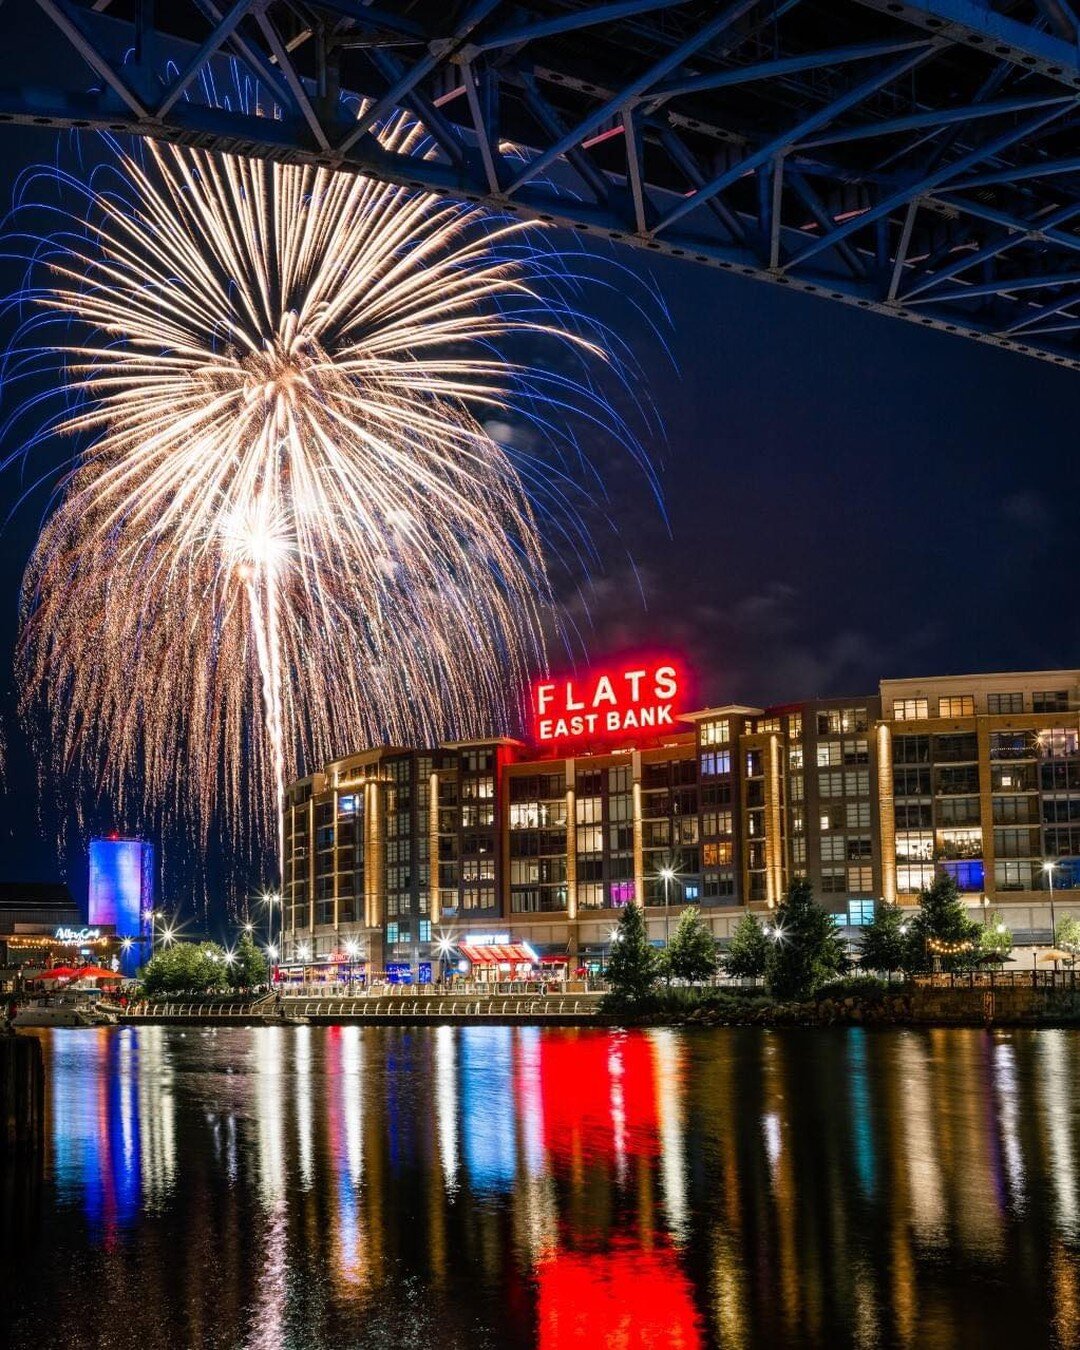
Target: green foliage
(632, 966)
(248, 966)
(680, 1002)
(691, 953)
(1067, 934)
(748, 954)
(995, 937)
(806, 948)
(942, 919)
(186, 967)
(884, 944)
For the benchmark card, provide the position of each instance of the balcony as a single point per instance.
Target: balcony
(957, 852)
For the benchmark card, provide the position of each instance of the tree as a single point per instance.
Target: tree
(942, 929)
(748, 954)
(1067, 934)
(691, 953)
(186, 967)
(884, 942)
(995, 938)
(806, 949)
(248, 966)
(632, 965)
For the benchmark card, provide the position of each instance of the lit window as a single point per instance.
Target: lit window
(860, 878)
(588, 810)
(910, 709)
(391, 933)
(915, 845)
(828, 754)
(716, 733)
(832, 848)
(858, 815)
(716, 762)
(912, 877)
(1058, 742)
(860, 913)
(957, 705)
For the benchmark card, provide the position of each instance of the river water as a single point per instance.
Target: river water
(497, 1187)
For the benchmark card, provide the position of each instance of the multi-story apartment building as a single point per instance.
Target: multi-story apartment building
(393, 850)
(394, 855)
(984, 772)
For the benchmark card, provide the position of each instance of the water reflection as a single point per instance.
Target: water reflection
(494, 1186)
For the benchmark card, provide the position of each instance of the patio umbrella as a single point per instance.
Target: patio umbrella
(1054, 954)
(95, 973)
(56, 973)
(993, 958)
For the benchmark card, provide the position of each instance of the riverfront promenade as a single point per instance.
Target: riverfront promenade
(407, 1006)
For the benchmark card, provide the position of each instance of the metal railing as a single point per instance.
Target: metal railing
(224, 1008)
(398, 1008)
(1003, 979)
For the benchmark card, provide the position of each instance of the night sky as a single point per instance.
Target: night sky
(849, 497)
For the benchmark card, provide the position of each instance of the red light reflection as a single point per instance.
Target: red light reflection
(626, 1299)
(599, 1094)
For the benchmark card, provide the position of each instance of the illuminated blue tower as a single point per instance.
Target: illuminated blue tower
(122, 892)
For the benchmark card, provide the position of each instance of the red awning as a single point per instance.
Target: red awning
(512, 953)
(96, 973)
(563, 960)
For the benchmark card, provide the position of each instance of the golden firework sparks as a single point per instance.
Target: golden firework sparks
(289, 532)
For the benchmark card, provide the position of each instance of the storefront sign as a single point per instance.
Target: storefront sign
(612, 703)
(485, 939)
(74, 935)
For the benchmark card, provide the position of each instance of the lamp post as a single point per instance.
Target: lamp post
(1048, 868)
(351, 950)
(668, 874)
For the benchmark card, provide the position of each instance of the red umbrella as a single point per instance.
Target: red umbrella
(56, 973)
(95, 973)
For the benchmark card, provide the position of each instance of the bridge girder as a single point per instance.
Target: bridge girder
(920, 158)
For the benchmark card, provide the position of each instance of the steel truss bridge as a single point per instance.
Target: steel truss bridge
(920, 158)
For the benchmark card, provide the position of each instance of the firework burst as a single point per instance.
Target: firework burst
(287, 531)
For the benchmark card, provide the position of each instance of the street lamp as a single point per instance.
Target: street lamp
(352, 950)
(444, 947)
(668, 874)
(270, 899)
(1048, 868)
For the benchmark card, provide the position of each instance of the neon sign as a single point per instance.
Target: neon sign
(610, 704)
(78, 934)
